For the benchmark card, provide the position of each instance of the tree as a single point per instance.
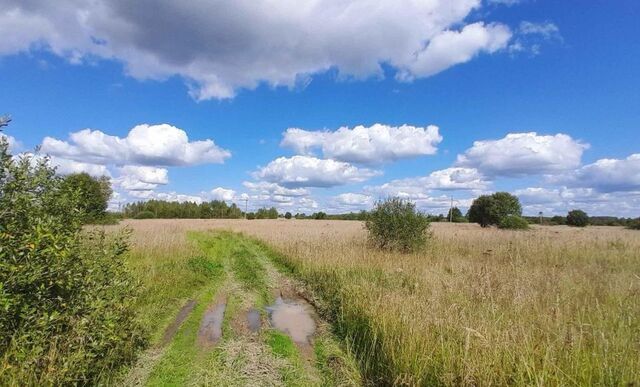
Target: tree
(67, 300)
(287, 215)
(319, 215)
(489, 210)
(455, 215)
(94, 194)
(394, 224)
(577, 218)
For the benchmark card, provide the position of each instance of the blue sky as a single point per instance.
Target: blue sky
(388, 98)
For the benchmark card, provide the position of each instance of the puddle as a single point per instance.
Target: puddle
(253, 320)
(173, 328)
(293, 318)
(211, 326)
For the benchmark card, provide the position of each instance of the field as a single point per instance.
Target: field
(551, 306)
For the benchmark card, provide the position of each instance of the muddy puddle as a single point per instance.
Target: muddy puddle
(293, 317)
(254, 320)
(210, 330)
(173, 328)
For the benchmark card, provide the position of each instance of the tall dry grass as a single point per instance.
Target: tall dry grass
(550, 306)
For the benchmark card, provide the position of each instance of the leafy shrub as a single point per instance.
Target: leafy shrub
(145, 215)
(455, 215)
(94, 195)
(66, 299)
(287, 215)
(489, 210)
(577, 218)
(514, 222)
(394, 224)
(634, 224)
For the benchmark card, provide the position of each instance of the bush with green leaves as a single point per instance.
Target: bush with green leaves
(577, 218)
(634, 224)
(455, 215)
(66, 298)
(490, 210)
(513, 222)
(145, 215)
(94, 195)
(394, 224)
(287, 215)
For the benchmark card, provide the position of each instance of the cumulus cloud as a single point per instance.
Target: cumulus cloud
(274, 189)
(307, 171)
(224, 194)
(141, 178)
(444, 179)
(152, 145)
(521, 154)
(374, 144)
(560, 200)
(530, 36)
(65, 167)
(219, 47)
(168, 196)
(353, 199)
(449, 48)
(607, 175)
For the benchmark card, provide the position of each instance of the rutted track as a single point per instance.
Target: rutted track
(248, 328)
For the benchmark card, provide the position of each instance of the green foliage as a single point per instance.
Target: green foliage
(145, 215)
(66, 299)
(514, 222)
(264, 213)
(319, 215)
(94, 194)
(489, 210)
(161, 209)
(455, 215)
(577, 218)
(287, 215)
(394, 224)
(634, 224)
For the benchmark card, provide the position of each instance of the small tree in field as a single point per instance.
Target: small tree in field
(490, 210)
(394, 224)
(287, 215)
(94, 194)
(577, 218)
(455, 215)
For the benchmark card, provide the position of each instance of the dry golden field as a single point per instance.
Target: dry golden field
(550, 306)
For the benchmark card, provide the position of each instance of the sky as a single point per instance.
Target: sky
(332, 105)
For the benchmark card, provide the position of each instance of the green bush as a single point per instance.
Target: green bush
(514, 222)
(66, 298)
(287, 215)
(394, 224)
(634, 224)
(488, 210)
(577, 218)
(145, 215)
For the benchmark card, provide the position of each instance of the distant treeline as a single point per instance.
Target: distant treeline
(218, 209)
(162, 209)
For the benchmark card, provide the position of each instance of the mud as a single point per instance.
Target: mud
(294, 318)
(171, 330)
(210, 330)
(254, 320)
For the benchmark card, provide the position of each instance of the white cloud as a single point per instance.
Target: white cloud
(420, 187)
(547, 30)
(607, 175)
(520, 154)
(307, 171)
(353, 199)
(168, 196)
(224, 194)
(560, 200)
(449, 48)
(219, 47)
(530, 36)
(154, 145)
(141, 178)
(66, 167)
(374, 144)
(274, 189)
